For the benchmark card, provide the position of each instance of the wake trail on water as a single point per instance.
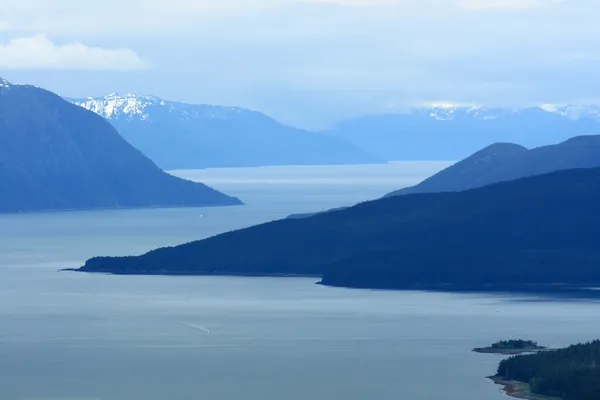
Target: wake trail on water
(197, 327)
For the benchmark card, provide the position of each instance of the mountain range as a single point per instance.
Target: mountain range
(517, 235)
(188, 136)
(180, 136)
(507, 161)
(449, 132)
(57, 156)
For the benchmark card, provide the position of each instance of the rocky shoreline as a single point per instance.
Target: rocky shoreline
(516, 389)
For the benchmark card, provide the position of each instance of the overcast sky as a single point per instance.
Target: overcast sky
(308, 62)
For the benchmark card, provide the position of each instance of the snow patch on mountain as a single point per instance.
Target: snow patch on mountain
(133, 106)
(442, 112)
(7, 85)
(573, 111)
(114, 105)
(449, 111)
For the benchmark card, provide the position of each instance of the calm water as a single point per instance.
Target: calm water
(74, 336)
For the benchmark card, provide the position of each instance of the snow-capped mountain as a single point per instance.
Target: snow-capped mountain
(573, 111)
(140, 107)
(115, 106)
(186, 136)
(447, 112)
(452, 132)
(180, 135)
(56, 156)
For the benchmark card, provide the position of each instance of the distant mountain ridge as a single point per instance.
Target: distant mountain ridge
(502, 162)
(506, 161)
(57, 156)
(141, 107)
(447, 112)
(572, 111)
(187, 136)
(449, 132)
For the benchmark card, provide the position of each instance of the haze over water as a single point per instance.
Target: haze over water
(67, 335)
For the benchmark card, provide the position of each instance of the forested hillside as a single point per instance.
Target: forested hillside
(571, 374)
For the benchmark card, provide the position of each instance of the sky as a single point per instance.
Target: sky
(309, 63)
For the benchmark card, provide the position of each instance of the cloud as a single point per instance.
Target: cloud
(173, 17)
(136, 17)
(468, 4)
(355, 2)
(39, 52)
(325, 58)
(504, 4)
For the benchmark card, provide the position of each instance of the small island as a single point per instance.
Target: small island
(572, 373)
(511, 347)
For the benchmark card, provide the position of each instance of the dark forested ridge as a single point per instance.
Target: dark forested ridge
(506, 161)
(570, 374)
(55, 155)
(538, 230)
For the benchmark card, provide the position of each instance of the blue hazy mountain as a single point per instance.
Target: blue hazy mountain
(506, 161)
(55, 155)
(542, 230)
(447, 132)
(187, 136)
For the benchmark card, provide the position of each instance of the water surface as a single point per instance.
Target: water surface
(79, 336)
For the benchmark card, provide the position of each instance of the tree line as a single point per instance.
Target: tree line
(572, 373)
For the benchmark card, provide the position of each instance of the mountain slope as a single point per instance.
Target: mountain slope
(186, 136)
(542, 230)
(54, 155)
(452, 133)
(504, 162)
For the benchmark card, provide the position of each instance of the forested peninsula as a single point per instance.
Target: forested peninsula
(572, 373)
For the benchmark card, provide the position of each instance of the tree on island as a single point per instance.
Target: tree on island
(515, 344)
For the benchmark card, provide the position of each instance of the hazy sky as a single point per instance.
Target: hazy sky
(308, 62)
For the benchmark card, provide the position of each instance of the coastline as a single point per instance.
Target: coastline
(187, 273)
(574, 293)
(509, 352)
(115, 208)
(518, 390)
